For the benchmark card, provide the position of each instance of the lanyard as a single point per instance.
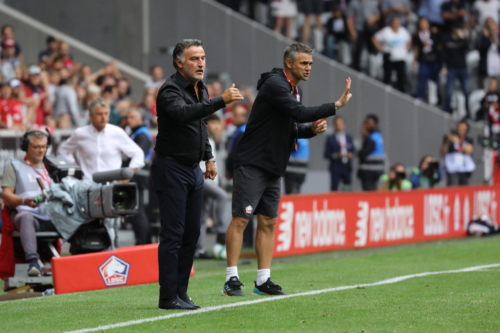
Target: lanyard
(45, 175)
(295, 90)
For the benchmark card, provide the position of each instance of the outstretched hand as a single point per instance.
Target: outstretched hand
(231, 95)
(319, 126)
(346, 95)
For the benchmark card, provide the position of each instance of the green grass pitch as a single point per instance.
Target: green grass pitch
(457, 302)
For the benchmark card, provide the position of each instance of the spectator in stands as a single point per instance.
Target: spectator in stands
(427, 175)
(64, 54)
(312, 8)
(11, 109)
(339, 150)
(92, 93)
(66, 104)
(489, 111)
(362, 20)
(239, 118)
(48, 55)
(157, 78)
(396, 8)
(110, 94)
(455, 48)
(37, 90)
(431, 10)
(482, 10)
(296, 168)
(54, 81)
(19, 191)
(9, 62)
(394, 42)
(453, 12)
(372, 154)
(214, 192)
(18, 108)
(489, 50)
(8, 33)
(86, 76)
(395, 180)
(284, 11)
(148, 106)
(427, 50)
(140, 135)
(123, 87)
(336, 32)
(457, 149)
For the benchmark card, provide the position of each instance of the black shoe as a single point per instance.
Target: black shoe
(268, 288)
(34, 268)
(232, 287)
(187, 300)
(175, 304)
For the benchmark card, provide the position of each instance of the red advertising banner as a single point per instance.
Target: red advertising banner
(326, 222)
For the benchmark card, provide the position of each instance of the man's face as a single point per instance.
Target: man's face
(157, 73)
(214, 127)
(370, 124)
(239, 115)
(5, 92)
(461, 129)
(400, 169)
(52, 46)
(35, 79)
(493, 86)
(133, 119)
(36, 150)
(302, 66)
(193, 67)
(100, 117)
(64, 49)
(339, 125)
(8, 33)
(395, 23)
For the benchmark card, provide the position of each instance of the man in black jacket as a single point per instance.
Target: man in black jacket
(182, 142)
(140, 135)
(261, 159)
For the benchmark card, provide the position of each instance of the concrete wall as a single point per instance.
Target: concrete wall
(244, 49)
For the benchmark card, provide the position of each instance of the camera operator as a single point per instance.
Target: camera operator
(427, 175)
(395, 180)
(457, 149)
(22, 193)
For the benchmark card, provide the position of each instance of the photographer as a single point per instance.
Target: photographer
(427, 175)
(395, 180)
(457, 149)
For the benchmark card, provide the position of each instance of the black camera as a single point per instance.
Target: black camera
(400, 175)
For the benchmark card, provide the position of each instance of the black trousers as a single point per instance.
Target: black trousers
(338, 174)
(180, 195)
(369, 179)
(293, 182)
(399, 67)
(140, 221)
(364, 40)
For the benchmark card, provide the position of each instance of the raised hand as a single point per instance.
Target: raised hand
(346, 95)
(231, 95)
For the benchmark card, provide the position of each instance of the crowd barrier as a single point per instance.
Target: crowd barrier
(333, 221)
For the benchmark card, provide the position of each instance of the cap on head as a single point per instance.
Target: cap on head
(34, 70)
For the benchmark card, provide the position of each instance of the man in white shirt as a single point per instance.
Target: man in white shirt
(100, 145)
(394, 42)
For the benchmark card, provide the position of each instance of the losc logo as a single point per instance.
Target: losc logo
(114, 271)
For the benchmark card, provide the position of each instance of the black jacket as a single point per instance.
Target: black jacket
(455, 52)
(332, 148)
(182, 130)
(271, 129)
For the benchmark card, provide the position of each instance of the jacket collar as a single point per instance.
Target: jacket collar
(185, 83)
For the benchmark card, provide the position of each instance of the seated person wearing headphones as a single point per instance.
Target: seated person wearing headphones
(20, 190)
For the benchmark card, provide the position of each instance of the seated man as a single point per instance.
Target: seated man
(395, 180)
(20, 189)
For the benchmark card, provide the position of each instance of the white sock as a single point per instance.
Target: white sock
(231, 271)
(263, 275)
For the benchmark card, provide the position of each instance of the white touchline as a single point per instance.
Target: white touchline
(277, 298)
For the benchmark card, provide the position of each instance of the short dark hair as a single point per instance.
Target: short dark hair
(463, 121)
(292, 51)
(181, 46)
(213, 117)
(372, 117)
(50, 39)
(108, 89)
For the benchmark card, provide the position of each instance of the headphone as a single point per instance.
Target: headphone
(25, 141)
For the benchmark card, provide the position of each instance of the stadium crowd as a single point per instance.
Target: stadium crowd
(55, 93)
(406, 43)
